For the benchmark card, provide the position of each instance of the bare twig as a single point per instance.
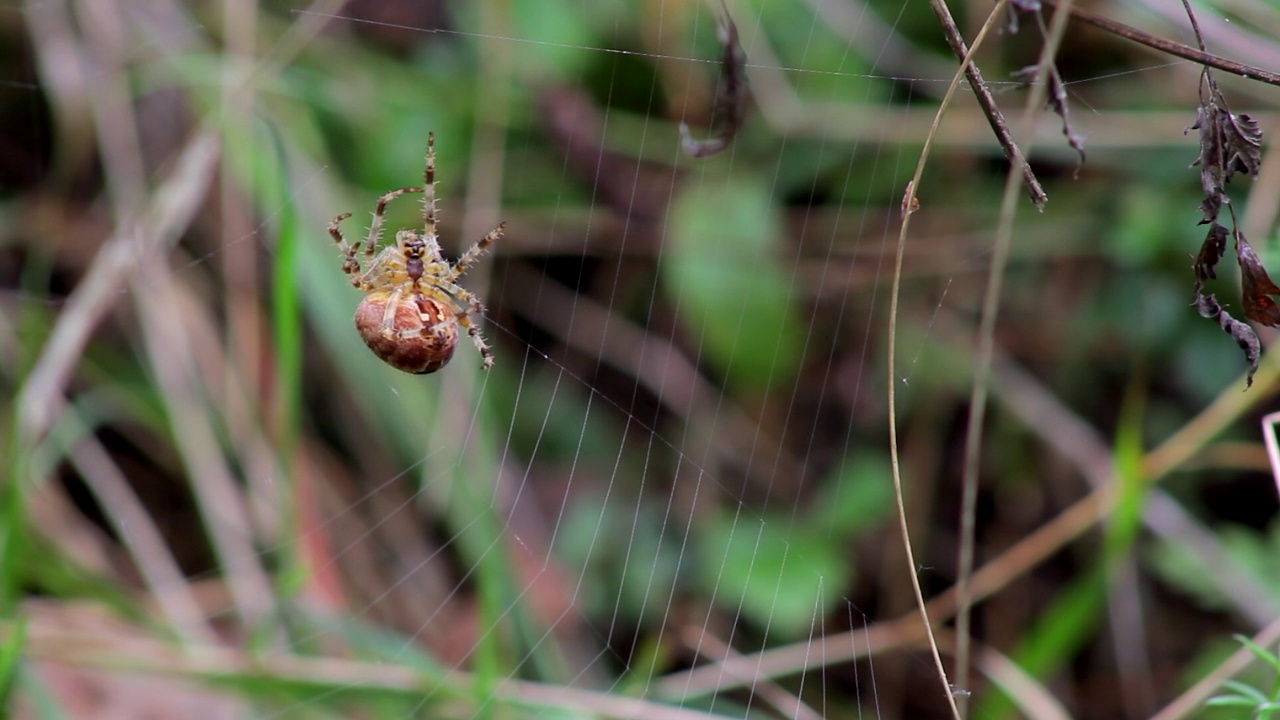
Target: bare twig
(776, 696)
(1185, 52)
(999, 125)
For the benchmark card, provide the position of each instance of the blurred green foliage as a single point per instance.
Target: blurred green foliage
(570, 516)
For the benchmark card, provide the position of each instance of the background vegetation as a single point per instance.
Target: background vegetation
(218, 503)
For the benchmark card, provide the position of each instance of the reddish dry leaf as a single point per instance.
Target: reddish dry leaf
(1256, 286)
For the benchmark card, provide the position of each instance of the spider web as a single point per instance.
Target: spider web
(668, 497)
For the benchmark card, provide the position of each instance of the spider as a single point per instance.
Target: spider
(413, 305)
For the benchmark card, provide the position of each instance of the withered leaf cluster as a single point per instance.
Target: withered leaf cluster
(731, 96)
(1057, 100)
(1230, 143)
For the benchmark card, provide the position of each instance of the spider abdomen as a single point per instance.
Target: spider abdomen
(419, 336)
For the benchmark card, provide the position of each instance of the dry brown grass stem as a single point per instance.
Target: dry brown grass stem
(144, 541)
(153, 229)
(910, 201)
(780, 699)
(165, 312)
(49, 639)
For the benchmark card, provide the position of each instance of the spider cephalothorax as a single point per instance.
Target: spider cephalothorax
(413, 306)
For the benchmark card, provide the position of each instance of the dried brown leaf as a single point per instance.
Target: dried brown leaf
(910, 201)
(731, 96)
(1230, 143)
(1256, 286)
(1210, 161)
(1058, 102)
(1244, 335)
(1243, 140)
(1211, 251)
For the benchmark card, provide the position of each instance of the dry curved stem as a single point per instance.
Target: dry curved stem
(895, 296)
(1028, 694)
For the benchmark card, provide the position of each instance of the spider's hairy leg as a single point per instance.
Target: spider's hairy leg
(486, 354)
(379, 213)
(454, 296)
(429, 188)
(386, 269)
(475, 251)
(350, 264)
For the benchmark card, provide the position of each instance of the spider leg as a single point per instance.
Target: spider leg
(429, 189)
(454, 296)
(486, 354)
(474, 252)
(379, 213)
(384, 270)
(350, 263)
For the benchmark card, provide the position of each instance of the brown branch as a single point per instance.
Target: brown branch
(1185, 52)
(989, 108)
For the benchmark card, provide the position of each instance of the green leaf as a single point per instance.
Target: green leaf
(10, 655)
(1260, 652)
(1245, 691)
(562, 32)
(1231, 701)
(735, 294)
(779, 583)
(857, 496)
